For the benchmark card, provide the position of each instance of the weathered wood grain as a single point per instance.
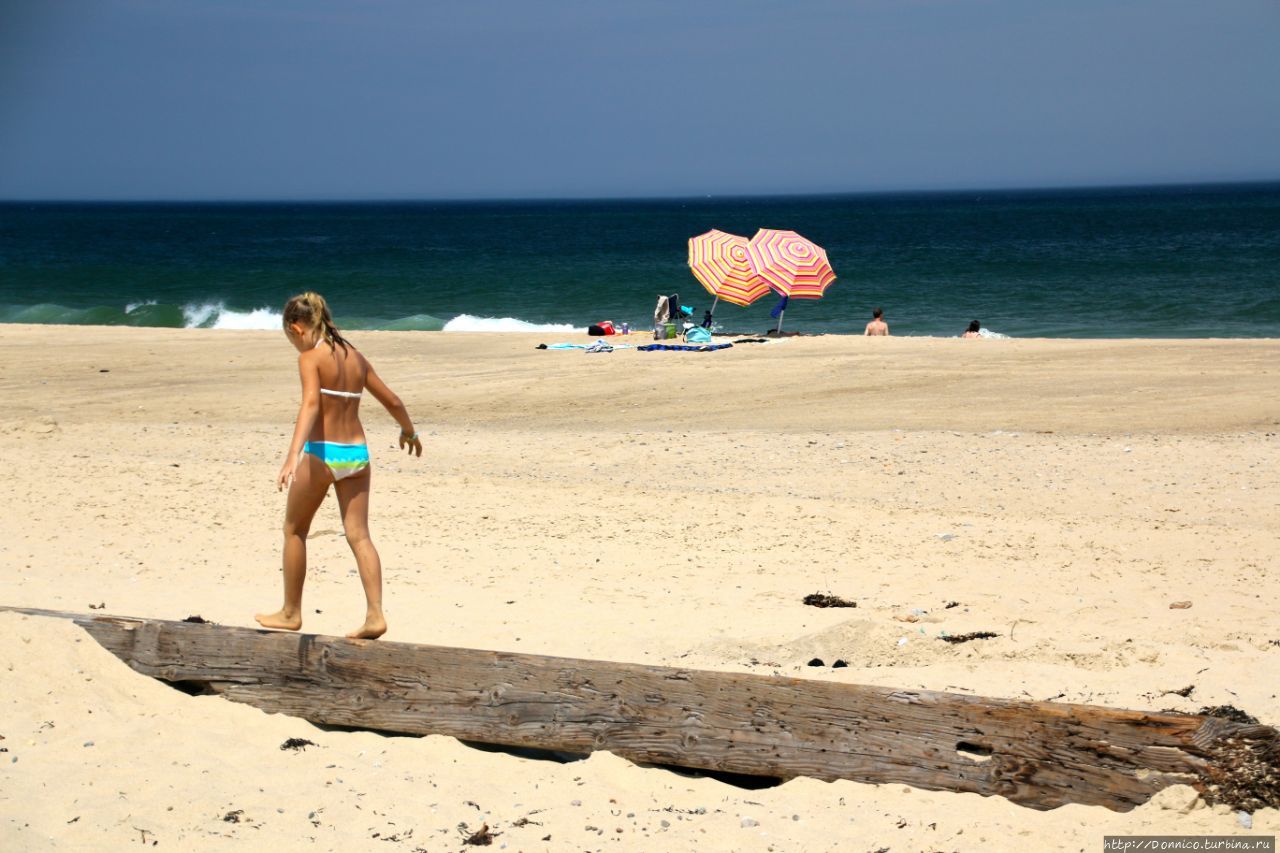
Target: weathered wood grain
(1038, 754)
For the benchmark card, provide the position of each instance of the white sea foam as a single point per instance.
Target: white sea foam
(197, 315)
(468, 323)
(258, 318)
(134, 306)
(214, 315)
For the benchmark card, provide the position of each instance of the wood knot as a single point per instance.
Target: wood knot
(1016, 771)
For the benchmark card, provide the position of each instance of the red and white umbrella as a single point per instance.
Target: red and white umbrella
(793, 266)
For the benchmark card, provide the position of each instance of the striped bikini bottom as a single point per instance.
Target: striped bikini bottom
(343, 460)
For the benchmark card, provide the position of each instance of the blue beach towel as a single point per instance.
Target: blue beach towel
(587, 347)
(682, 348)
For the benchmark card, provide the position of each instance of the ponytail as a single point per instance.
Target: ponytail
(310, 311)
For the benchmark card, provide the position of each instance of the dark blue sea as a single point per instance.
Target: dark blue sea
(1173, 262)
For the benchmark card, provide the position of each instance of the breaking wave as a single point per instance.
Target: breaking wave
(216, 315)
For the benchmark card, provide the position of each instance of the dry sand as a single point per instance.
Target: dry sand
(665, 508)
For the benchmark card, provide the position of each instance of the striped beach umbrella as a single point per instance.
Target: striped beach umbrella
(719, 262)
(794, 267)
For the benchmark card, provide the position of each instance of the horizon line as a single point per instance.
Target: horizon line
(651, 198)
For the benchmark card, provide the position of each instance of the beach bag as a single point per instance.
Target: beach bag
(697, 335)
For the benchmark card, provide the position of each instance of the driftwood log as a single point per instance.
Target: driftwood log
(1037, 754)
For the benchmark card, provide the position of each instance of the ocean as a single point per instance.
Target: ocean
(1170, 262)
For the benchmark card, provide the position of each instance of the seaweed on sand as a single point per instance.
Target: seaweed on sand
(821, 599)
(972, 635)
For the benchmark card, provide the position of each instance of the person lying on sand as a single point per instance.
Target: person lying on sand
(329, 446)
(974, 330)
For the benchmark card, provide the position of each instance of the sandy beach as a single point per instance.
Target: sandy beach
(652, 507)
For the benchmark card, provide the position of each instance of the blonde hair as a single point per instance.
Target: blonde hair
(310, 311)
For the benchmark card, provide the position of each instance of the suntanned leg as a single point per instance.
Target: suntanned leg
(306, 493)
(353, 501)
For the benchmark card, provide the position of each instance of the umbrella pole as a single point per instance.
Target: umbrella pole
(781, 314)
(714, 303)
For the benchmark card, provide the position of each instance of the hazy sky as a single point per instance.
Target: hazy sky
(534, 98)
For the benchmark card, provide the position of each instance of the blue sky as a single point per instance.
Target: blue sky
(318, 99)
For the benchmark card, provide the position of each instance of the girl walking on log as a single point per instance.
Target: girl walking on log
(329, 447)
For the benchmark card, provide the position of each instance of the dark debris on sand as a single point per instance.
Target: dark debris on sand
(297, 743)
(1229, 712)
(395, 837)
(1242, 770)
(197, 620)
(482, 837)
(972, 635)
(234, 816)
(821, 599)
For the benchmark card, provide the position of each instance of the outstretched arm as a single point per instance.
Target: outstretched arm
(307, 414)
(389, 401)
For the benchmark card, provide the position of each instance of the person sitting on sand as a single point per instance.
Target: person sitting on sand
(975, 330)
(877, 327)
(328, 447)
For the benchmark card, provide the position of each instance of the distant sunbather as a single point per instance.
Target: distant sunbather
(877, 327)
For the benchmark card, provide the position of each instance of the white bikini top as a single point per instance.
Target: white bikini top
(353, 395)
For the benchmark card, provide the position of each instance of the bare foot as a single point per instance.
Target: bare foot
(279, 620)
(373, 628)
